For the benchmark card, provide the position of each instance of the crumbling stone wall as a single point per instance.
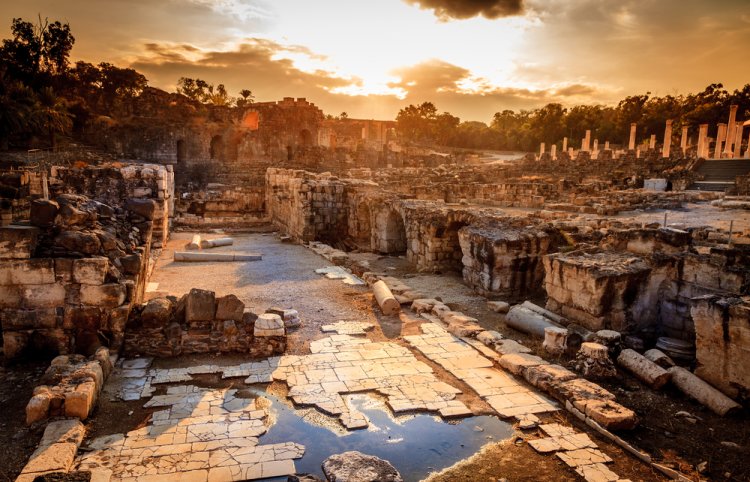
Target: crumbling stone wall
(200, 322)
(69, 277)
(722, 329)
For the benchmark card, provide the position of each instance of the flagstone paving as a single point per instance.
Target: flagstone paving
(199, 435)
(507, 396)
(347, 328)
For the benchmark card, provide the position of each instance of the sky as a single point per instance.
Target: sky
(370, 58)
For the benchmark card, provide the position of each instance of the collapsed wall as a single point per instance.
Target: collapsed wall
(70, 275)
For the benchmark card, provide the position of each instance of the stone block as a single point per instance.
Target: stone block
(269, 324)
(517, 363)
(43, 212)
(90, 271)
(63, 431)
(109, 295)
(229, 307)
(543, 376)
(498, 306)
(579, 389)
(200, 305)
(42, 296)
(79, 242)
(56, 457)
(29, 319)
(38, 408)
(27, 272)
(157, 313)
(14, 342)
(490, 337)
(78, 403)
(18, 242)
(64, 269)
(610, 415)
(141, 207)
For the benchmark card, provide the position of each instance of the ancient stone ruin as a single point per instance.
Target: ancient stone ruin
(577, 297)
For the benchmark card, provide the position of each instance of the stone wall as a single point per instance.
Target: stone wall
(200, 322)
(70, 275)
(722, 329)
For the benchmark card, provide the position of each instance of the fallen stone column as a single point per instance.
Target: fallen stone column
(387, 302)
(225, 257)
(215, 243)
(701, 391)
(195, 243)
(644, 369)
(528, 321)
(545, 313)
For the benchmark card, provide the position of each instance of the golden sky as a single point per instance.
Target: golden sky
(370, 58)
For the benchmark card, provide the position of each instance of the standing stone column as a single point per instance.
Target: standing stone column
(553, 152)
(702, 142)
(652, 142)
(731, 129)
(667, 139)
(738, 140)
(585, 146)
(606, 145)
(631, 144)
(684, 139)
(565, 144)
(541, 149)
(720, 136)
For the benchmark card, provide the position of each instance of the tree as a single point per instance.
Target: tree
(16, 109)
(246, 98)
(51, 114)
(38, 52)
(121, 85)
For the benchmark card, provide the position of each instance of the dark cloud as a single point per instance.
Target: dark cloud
(462, 9)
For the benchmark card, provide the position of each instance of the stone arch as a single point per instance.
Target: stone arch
(181, 148)
(216, 148)
(305, 138)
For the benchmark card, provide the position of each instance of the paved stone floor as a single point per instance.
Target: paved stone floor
(198, 435)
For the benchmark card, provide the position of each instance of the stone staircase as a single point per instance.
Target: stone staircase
(720, 174)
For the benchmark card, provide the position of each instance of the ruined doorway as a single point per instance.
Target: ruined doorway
(305, 138)
(181, 151)
(450, 259)
(362, 233)
(394, 235)
(216, 149)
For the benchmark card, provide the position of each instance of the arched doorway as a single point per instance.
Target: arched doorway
(305, 138)
(216, 149)
(394, 234)
(181, 151)
(451, 257)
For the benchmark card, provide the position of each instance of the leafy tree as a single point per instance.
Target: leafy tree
(246, 98)
(37, 52)
(51, 114)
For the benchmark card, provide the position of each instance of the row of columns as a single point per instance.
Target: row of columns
(728, 139)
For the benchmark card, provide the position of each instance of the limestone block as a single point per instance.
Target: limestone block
(18, 242)
(42, 296)
(78, 403)
(56, 457)
(543, 375)
(64, 269)
(28, 319)
(200, 305)
(27, 272)
(555, 340)
(10, 296)
(358, 467)
(79, 242)
(269, 324)
(579, 389)
(90, 271)
(489, 338)
(157, 312)
(506, 347)
(517, 363)
(462, 329)
(659, 357)
(609, 414)
(109, 295)
(290, 317)
(229, 307)
(63, 431)
(498, 306)
(37, 408)
(141, 207)
(424, 305)
(644, 369)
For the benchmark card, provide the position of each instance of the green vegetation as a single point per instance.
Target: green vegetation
(526, 129)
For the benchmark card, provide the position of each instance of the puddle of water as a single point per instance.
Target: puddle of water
(416, 444)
